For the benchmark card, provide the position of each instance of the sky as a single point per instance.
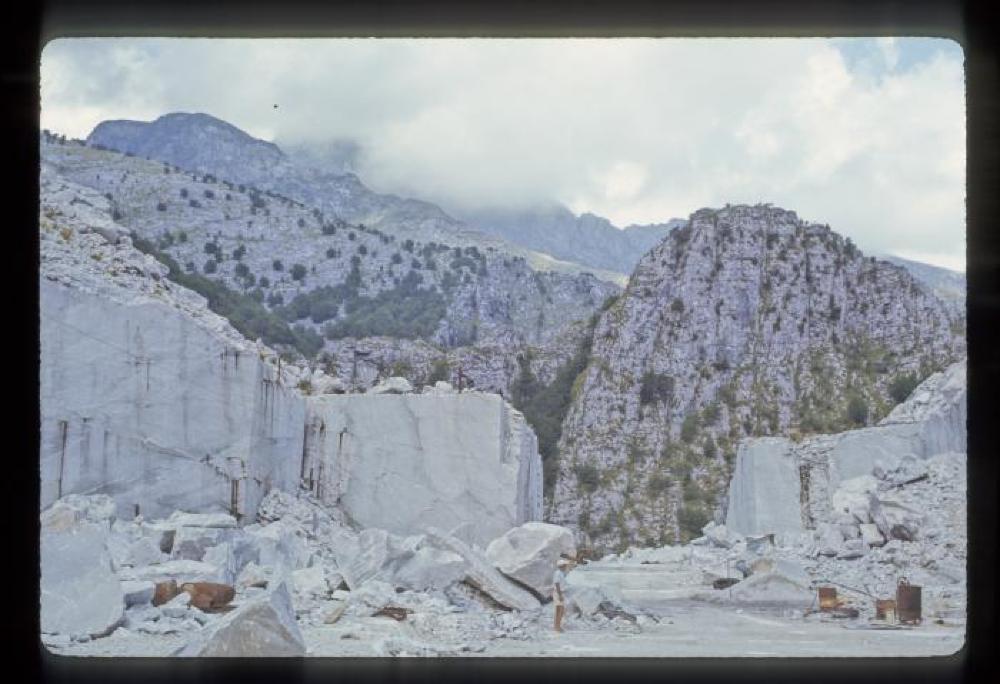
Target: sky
(866, 135)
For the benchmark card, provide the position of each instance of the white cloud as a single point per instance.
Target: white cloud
(636, 130)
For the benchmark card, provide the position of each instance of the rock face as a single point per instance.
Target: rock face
(480, 573)
(784, 487)
(740, 323)
(945, 283)
(529, 554)
(586, 239)
(765, 491)
(264, 626)
(930, 422)
(146, 395)
(230, 190)
(152, 399)
(405, 462)
(80, 594)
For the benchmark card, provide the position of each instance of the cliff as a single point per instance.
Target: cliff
(408, 462)
(745, 322)
(151, 398)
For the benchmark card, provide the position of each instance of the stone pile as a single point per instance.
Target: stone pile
(230, 590)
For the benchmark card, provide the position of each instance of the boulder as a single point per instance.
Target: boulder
(372, 557)
(140, 614)
(161, 534)
(59, 517)
(828, 539)
(760, 545)
(786, 568)
(593, 600)
(252, 576)
(854, 496)
(765, 490)
(481, 574)
(529, 553)
(371, 596)
(310, 581)
(181, 519)
(895, 520)
(80, 594)
(585, 599)
(232, 556)
(177, 570)
(263, 626)
(393, 385)
(774, 588)
(177, 607)
(278, 547)
(164, 592)
(871, 536)
(143, 551)
(95, 508)
(332, 611)
(190, 543)
(138, 592)
(208, 596)
(853, 548)
(408, 562)
(411, 461)
(720, 536)
(430, 568)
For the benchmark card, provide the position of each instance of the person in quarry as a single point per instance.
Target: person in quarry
(558, 592)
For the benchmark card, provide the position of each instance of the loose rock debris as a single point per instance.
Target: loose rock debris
(304, 566)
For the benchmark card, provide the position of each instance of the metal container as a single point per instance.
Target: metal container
(885, 609)
(908, 602)
(827, 599)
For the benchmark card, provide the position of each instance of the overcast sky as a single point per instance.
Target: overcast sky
(867, 135)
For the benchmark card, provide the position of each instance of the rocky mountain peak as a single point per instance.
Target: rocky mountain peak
(746, 321)
(193, 141)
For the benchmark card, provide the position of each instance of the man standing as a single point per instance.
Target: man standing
(558, 592)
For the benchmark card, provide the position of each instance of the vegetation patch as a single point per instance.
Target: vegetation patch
(247, 315)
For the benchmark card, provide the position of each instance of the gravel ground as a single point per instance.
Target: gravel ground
(683, 632)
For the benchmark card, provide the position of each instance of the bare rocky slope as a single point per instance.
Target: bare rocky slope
(202, 144)
(587, 239)
(746, 322)
(150, 398)
(947, 284)
(364, 303)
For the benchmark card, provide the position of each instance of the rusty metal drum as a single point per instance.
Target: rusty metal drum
(827, 599)
(908, 609)
(885, 609)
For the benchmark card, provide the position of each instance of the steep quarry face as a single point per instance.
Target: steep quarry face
(149, 397)
(746, 322)
(784, 487)
(145, 394)
(408, 462)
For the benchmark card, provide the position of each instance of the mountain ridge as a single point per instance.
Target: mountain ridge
(745, 322)
(203, 144)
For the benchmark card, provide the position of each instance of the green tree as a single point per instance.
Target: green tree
(902, 386)
(857, 410)
(655, 387)
(587, 476)
(689, 428)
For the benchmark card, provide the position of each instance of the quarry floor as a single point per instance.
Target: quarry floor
(685, 630)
